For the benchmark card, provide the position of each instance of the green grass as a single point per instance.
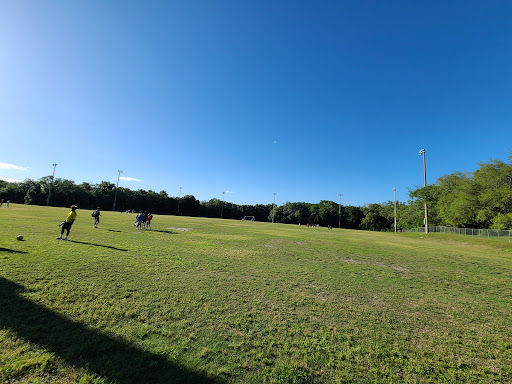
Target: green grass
(247, 302)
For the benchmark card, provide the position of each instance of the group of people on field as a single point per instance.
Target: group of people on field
(143, 221)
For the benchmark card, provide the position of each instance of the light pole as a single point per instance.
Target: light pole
(394, 190)
(117, 186)
(422, 152)
(339, 211)
(222, 208)
(51, 185)
(179, 199)
(273, 207)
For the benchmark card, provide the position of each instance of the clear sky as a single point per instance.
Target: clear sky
(307, 99)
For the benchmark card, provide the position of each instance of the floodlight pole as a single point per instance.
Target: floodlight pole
(394, 190)
(179, 199)
(339, 211)
(117, 186)
(51, 185)
(422, 152)
(274, 207)
(222, 208)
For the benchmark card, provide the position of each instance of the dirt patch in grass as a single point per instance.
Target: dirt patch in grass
(395, 267)
(180, 229)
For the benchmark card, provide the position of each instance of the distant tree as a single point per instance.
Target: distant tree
(328, 213)
(190, 206)
(375, 218)
(277, 213)
(37, 192)
(12, 192)
(457, 199)
(295, 213)
(211, 208)
(351, 217)
(493, 182)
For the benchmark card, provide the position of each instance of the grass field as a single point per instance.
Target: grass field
(212, 301)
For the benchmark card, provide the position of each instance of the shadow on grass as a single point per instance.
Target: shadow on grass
(163, 231)
(11, 250)
(98, 245)
(113, 230)
(82, 347)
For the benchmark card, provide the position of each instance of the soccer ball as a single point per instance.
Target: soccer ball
(19, 237)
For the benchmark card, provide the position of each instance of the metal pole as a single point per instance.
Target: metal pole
(339, 211)
(394, 190)
(222, 208)
(51, 185)
(273, 207)
(117, 186)
(422, 152)
(179, 199)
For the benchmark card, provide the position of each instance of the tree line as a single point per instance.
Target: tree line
(479, 199)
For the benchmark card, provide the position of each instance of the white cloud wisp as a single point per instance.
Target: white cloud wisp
(12, 166)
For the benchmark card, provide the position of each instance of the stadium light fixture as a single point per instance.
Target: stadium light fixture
(339, 211)
(117, 186)
(179, 199)
(51, 185)
(394, 190)
(422, 153)
(222, 208)
(274, 207)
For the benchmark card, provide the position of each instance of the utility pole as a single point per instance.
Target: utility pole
(274, 207)
(117, 186)
(222, 208)
(394, 190)
(179, 199)
(422, 152)
(339, 211)
(51, 186)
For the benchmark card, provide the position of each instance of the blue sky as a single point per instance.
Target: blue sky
(305, 99)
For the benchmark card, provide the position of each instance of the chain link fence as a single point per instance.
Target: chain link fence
(496, 234)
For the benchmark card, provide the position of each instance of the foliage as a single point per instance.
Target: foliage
(479, 199)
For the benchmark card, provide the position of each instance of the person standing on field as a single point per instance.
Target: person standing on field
(66, 224)
(148, 221)
(139, 220)
(96, 214)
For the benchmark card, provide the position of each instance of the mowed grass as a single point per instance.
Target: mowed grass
(200, 300)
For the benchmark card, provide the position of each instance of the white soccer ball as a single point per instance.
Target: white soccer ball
(19, 237)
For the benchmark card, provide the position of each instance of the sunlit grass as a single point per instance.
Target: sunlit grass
(210, 300)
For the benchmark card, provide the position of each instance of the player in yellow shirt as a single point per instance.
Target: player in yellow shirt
(66, 224)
